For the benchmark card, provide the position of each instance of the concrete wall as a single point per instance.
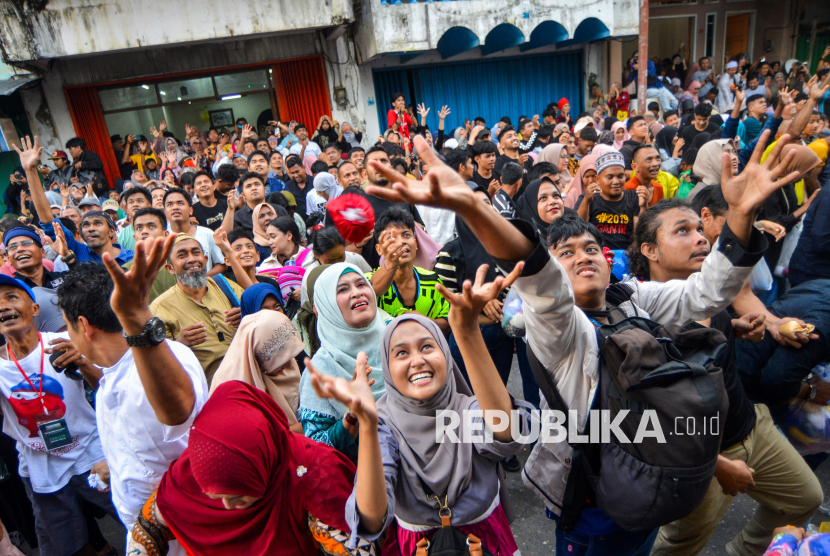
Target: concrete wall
(36, 30)
(419, 26)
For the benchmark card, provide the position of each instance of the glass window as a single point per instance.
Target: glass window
(128, 97)
(248, 81)
(186, 90)
(710, 35)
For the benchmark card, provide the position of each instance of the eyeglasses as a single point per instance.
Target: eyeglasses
(14, 246)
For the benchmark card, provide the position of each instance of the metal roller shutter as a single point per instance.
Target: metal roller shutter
(490, 88)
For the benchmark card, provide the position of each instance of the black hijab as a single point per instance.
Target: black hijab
(664, 139)
(700, 140)
(527, 207)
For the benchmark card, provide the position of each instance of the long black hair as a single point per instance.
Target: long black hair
(646, 232)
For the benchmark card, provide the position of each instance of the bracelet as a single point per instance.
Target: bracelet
(350, 419)
(69, 257)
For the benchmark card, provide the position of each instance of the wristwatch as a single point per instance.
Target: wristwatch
(813, 391)
(153, 334)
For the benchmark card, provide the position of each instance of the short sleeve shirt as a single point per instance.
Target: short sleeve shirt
(615, 219)
(63, 398)
(820, 147)
(429, 302)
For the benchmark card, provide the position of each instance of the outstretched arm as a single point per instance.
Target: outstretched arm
(168, 386)
(29, 159)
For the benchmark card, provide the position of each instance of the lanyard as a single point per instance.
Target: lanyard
(13, 358)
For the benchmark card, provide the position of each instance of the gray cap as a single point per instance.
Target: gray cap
(89, 201)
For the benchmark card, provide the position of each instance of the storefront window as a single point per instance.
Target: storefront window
(128, 97)
(189, 89)
(245, 82)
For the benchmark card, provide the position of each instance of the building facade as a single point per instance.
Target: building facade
(108, 67)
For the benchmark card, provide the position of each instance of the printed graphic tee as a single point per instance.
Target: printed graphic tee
(615, 219)
(63, 398)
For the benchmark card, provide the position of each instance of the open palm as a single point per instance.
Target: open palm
(469, 303)
(355, 394)
(442, 186)
(30, 155)
(747, 191)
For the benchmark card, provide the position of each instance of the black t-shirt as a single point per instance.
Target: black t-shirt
(740, 419)
(689, 132)
(211, 217)
(300, 194)
(503, 159)
(614, 219)
(485, 182)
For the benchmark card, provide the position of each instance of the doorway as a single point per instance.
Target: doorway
(738, 28)
(665, 35)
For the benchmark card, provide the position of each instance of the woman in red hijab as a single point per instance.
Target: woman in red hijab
(564, 116)
(247, 485)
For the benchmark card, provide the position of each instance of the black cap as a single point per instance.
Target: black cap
(115, 138)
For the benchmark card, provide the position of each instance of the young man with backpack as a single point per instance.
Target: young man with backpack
(563, 290)
(669, 244)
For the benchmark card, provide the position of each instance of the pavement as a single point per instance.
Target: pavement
(534, 532)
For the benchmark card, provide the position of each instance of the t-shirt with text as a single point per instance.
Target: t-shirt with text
(614, 219)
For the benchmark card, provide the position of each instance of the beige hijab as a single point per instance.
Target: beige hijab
(709, 162)
(805, 159)
(262, 354)
(551, 154)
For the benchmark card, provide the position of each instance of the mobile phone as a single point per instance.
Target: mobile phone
(71, 370)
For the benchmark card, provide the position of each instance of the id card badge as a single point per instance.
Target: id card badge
(55, 434)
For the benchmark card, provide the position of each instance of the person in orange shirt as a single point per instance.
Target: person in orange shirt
(645, 163)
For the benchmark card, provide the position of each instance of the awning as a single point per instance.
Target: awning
(9, 86)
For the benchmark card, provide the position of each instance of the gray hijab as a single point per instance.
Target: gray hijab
(446, 467)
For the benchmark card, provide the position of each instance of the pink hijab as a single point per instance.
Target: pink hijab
(690, 93)
(577, 187)
(308, 161)
(619, 125)
(601, 149)
(695, 67)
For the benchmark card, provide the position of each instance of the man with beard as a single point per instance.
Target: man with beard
(348, 175)
(197, 312)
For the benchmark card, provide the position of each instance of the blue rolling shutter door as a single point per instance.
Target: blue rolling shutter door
(386, 83)
(490, 88)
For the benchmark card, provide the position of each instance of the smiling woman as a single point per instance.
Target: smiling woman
(348, 322)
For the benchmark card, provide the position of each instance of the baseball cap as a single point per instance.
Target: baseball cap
(59, 154)
(110, 204)
(15, 283)
(89, 201)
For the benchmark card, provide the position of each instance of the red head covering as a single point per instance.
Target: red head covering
(240, 444)
(562, 102)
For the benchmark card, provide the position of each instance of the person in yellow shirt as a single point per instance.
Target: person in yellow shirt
(145, 152)
(198, 312)
(821, 147)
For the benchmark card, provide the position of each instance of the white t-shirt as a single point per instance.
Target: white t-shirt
(311, 148)
(139, 449)
(439, 223)
(314, 202)
(62, 396)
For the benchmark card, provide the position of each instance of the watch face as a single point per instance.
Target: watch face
(159, 331)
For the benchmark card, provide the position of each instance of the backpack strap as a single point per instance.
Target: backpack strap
(227, 290)
(301, 259)
(578, 486)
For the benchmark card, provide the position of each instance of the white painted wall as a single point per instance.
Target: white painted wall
(74, 27)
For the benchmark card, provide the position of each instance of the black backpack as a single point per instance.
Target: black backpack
(648, 366)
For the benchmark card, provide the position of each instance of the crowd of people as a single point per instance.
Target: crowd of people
(243, 345)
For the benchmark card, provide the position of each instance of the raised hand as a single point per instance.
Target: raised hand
(31, 153)
(442, 186)
(785, 95)
(59, 246)
(423, 111)
(247, 131)
(739, 97)
(154, 132)
(355, 394)
(494, 187)
(817, 89)
(746, 192)
(162, 126)
(64, 191)
(220, 237)
(444, 112)
(237, 202)
(392, 250)
(131, 294)
(467, 305)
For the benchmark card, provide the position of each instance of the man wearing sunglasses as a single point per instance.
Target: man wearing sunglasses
(24, 250)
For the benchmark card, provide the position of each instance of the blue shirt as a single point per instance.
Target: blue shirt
(83, 252)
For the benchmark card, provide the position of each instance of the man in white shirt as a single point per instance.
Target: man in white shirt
(46, 412)
(178, 207)
(304, 145)
(150, 390)
(726, 96)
